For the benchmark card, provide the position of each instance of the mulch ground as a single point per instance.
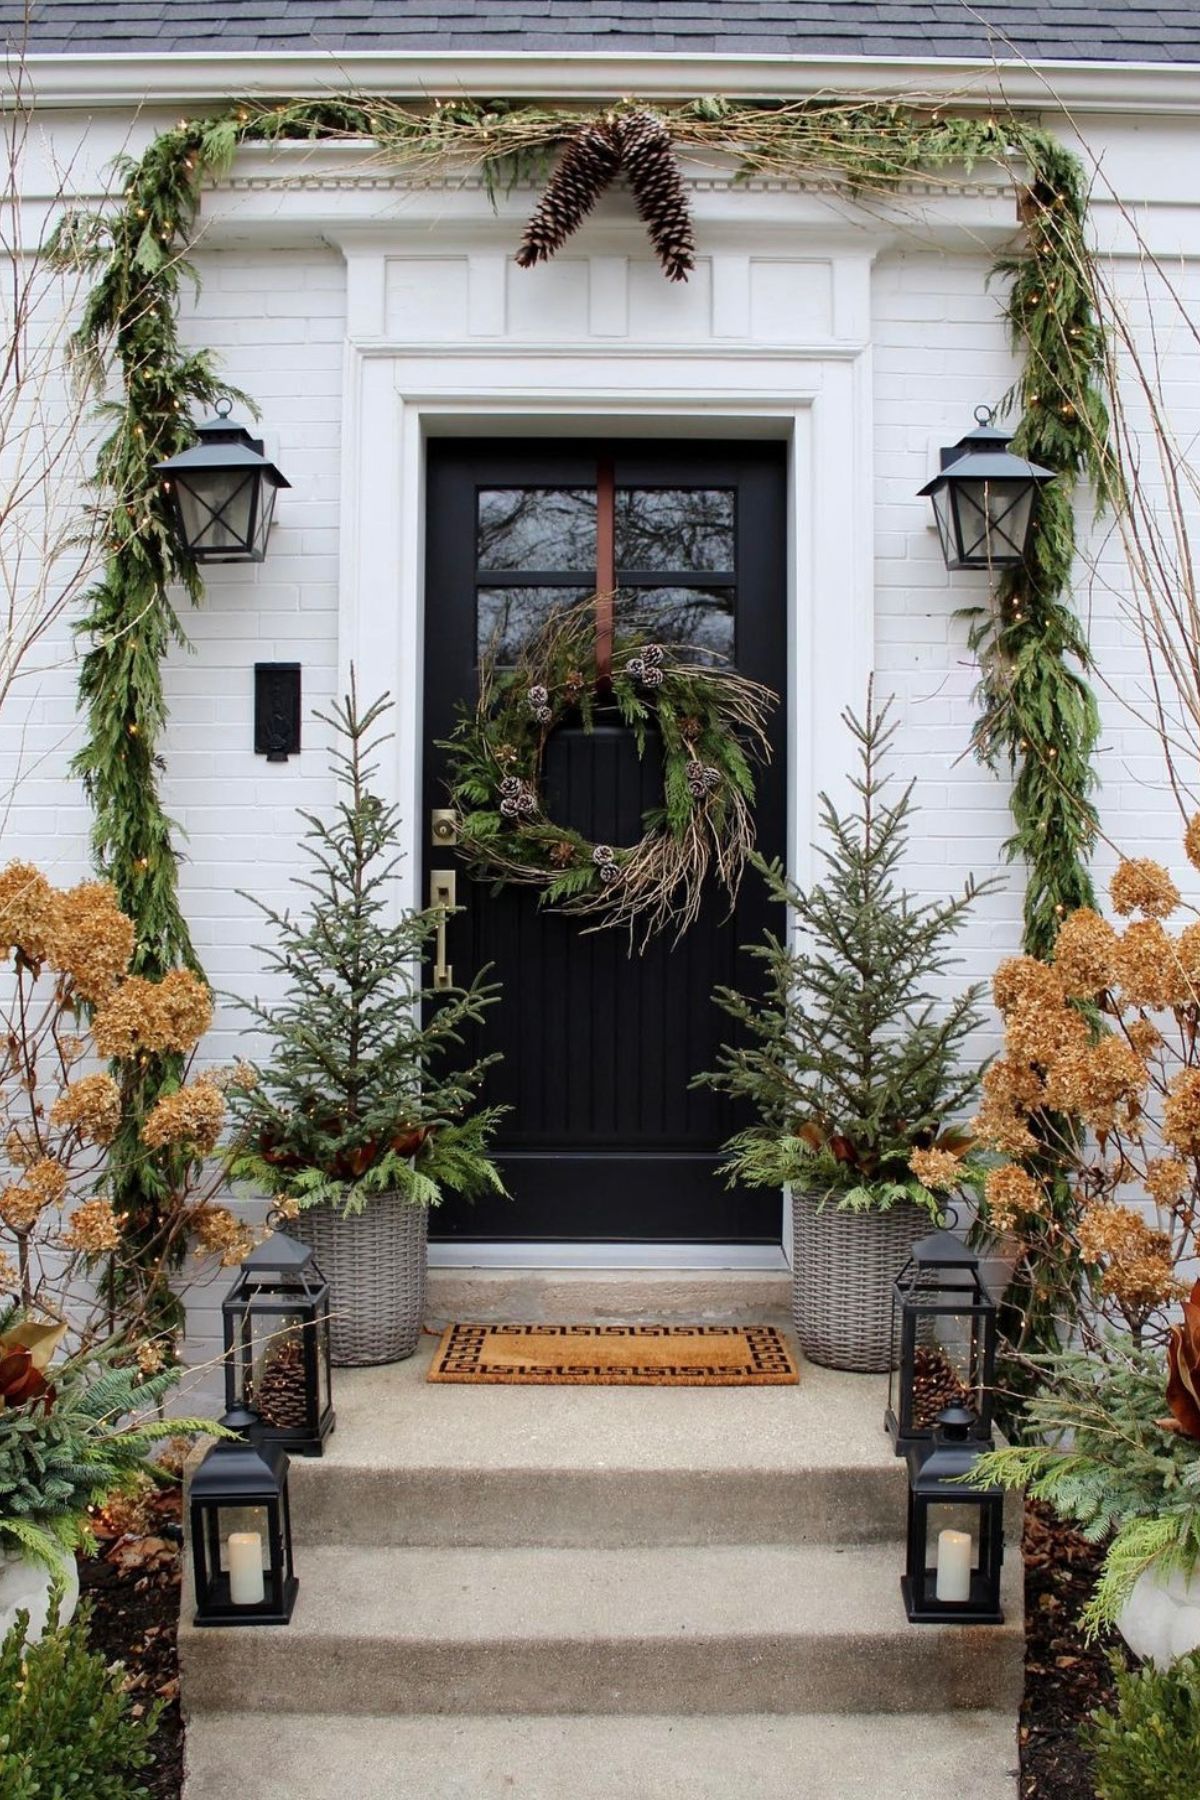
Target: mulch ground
(133, 1585)
(1066, 1679)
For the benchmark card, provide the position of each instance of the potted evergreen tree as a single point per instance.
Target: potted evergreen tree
(853, 1067)
(366, 1108)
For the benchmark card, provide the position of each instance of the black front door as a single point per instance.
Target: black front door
(606, 1139)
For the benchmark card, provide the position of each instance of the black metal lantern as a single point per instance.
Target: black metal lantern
(277, 1352)
(955, 1531)
(945, 1320)
(222, 492)
(241, 1530)
(983, 499)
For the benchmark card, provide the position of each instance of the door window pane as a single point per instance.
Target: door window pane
(537, 529)
(675, 528)
(683, 615)
(505, 617)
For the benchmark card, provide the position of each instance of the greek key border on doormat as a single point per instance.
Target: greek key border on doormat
(624, 1355)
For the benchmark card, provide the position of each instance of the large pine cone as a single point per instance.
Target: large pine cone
(650, 165)
(586, 167)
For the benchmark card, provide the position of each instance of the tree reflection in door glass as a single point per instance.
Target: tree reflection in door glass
(683, 615)
(675, 529)
(506, 616)
(536, 529)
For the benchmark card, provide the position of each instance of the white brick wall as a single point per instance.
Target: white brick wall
(276, 317)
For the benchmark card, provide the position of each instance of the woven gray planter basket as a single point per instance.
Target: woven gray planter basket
(374, 1263)
(842, 1274)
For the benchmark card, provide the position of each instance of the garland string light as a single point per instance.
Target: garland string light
(1037, 712)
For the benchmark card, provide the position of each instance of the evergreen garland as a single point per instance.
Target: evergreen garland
(1037, 710)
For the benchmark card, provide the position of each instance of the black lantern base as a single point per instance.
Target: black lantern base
(978, 1610)
(220, 1609)
(298, 1440)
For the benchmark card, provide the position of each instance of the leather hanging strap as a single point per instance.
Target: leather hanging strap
(606, 571)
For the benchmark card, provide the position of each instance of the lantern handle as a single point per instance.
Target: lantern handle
(985, 415)
(224, 406)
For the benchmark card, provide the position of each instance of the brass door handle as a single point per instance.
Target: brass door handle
(443, 897)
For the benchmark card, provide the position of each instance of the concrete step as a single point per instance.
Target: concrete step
(970, 1755)
(417, 1463)
(664, 1630)
(609, 1296)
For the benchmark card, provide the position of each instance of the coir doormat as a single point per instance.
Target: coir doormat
(617, 1355)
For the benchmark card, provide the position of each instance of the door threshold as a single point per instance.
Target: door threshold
(597, 1256)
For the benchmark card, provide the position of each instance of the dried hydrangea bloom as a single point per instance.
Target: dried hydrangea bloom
(1012, 1194)
(93, 1228)
(91, 1106)
(1022, 981)
(1101, 1082)
(190, 1118)
(218, 1233)
(1187, 949)
(21, 1147)
(10, 1276)
(285, 1207)
(1149, 972)
(150, 1356)
(1085, 955)
(1137, 1269)
(129, 1019)
(1181, 1113)
(94, 939)
(1145, 1037)
(43, 1184)
(1142, 885)
(1036, 1032)
(1191, 841)
(186, 1009)
(940, 1170)
(1015, 1084)
(29, 909)
(1167, 1180)
(998, 1127)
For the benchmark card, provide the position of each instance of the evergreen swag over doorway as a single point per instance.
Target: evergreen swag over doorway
(1037, 713)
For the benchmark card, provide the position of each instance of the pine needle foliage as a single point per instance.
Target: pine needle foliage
(365, 1090)
(70, 1450)
(851, 1063)
(1100, 1454)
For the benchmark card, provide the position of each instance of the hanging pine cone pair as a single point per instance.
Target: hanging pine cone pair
(702, 779)
(640, 144)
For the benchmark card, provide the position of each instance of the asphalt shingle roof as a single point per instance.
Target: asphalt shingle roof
(1039, 30)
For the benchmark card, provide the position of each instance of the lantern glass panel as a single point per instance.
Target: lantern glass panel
(993, 520)
(217, 508)
(273, 1372)
(266, 513)
(945, 1320)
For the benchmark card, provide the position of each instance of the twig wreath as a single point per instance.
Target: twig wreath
(1038, 716)
(710, 723)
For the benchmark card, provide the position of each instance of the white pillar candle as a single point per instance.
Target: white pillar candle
(954, 1565)
(246, 1586)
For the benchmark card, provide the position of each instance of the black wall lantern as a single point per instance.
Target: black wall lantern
(222, 492)
(277, 1353)
(955, 1531)
(945, 1320)
(241, 1530)
(983, 499)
